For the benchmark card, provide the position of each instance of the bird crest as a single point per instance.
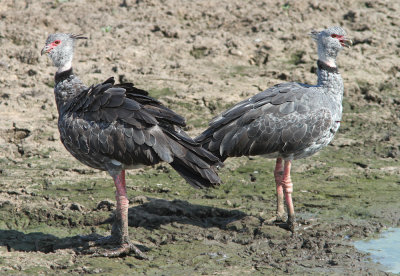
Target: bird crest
(77, 36)
(314, 34)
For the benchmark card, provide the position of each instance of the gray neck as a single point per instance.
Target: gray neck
(67, 87)
(66, 66)
(327, 54)
(329, 78)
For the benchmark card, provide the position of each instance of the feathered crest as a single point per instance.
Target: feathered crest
(77, 36)
(314, 34)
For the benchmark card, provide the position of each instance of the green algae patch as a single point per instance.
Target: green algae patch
(189, 231)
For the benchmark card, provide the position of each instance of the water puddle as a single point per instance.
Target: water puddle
(385, 250)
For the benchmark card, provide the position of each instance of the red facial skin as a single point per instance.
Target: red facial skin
(340, 38)
(52, 45)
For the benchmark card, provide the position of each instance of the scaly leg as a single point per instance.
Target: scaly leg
(120, 226)
(280, 210)
(119, 232)
(288, 189)
(278, 173)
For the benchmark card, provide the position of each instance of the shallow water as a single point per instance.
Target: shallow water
(385, 250)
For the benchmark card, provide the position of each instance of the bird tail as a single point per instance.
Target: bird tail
(205, 139)
(195, 164)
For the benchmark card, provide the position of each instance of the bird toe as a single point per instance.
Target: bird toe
(112, 247)
(119, 251)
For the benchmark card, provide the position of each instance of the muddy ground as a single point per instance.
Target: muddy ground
(198, 57)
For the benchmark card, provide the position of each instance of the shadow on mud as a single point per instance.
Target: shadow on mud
(157, 212)
(38, 241)
(150, 215)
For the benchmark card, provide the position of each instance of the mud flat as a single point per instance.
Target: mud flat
(198, 57)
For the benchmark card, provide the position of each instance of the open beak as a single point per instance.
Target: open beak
(346, 42)
(45, 50)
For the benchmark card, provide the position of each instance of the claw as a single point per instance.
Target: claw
(120, 250)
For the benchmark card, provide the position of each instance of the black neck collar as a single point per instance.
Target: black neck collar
(59, 77)
(323, 66)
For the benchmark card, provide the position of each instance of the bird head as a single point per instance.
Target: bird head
(330, 41)
(60, 48)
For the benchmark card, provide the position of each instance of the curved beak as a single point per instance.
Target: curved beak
(45, 50)
(346, 42)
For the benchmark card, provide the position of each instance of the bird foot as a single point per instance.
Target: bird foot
(278, 219)
(121, 249)
(291, 224)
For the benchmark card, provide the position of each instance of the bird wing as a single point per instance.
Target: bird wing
(278, 119)
(121, 122)
(108, 102)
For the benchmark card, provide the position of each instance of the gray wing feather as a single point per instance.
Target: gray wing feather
(108, 121)
(275, 120)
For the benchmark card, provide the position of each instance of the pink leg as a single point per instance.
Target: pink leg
(122, 208)
(278, 173)
(288, 189)
(119, 232)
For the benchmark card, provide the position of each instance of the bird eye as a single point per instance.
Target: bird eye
(334, 35)
(57, 42)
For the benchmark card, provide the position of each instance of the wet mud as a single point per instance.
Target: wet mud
(198, 58)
